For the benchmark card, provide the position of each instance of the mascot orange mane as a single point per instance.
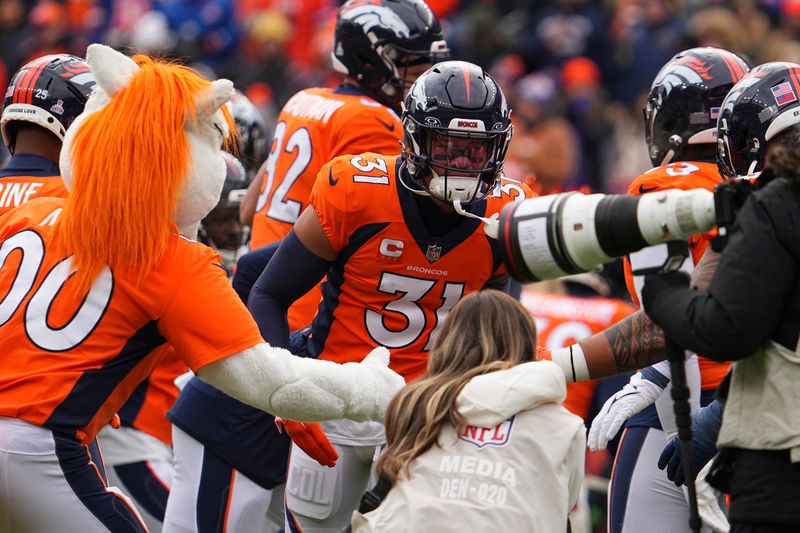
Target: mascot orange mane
(142, 160)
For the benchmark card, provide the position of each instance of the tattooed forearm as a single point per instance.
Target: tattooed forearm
(636, 342)
(704, 271)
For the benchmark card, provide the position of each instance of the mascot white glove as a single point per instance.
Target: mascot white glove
(308, 390)
(376, 384)
(635, 396)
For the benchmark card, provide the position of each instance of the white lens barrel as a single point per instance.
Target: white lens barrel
(558, 235)
(675, 214)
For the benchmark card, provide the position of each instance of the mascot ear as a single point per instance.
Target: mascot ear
(111, 69)
(210, 101)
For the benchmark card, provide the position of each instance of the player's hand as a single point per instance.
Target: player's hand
(705, 428)
(377, 384)
(310, 437)
(635, 396)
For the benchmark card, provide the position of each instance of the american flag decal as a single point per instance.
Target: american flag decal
(784, 93)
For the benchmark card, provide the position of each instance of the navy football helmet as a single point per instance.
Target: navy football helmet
(456, 130)
(50, 92)
(251, 133)
(375, 41)
(759, 107)
(681, 112)
(221, 228)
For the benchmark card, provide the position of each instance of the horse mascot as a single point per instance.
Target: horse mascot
(92, 285)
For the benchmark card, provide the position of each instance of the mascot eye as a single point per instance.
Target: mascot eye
(221, 135)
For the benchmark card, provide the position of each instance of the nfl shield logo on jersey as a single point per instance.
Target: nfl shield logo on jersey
(434, 253)
(496, 436)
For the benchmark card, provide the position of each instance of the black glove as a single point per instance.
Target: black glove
(656, 285)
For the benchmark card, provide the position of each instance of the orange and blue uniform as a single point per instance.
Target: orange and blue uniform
(71, 362)
(394, 281)
(26, 177)
(392, 285)
(313, 127)
(146, 410)
(636, 483)
(683, 175)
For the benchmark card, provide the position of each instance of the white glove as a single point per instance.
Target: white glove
(708, 503)
(303, 389)
(377, 384)
(635, 396)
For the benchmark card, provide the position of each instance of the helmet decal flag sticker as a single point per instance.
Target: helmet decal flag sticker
(784, 93)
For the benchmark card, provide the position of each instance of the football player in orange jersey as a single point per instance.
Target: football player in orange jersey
(680, 129)
(42, 100)
(381, 46)
(389, 233)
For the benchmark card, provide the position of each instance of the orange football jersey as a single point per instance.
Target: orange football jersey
(562, 320)
(682, 175)
(394, 281)
(71, 361)
(313, 127)
(19, 190)
(26, 177)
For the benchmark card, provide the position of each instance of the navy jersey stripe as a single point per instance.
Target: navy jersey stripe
(130, 410)
(624, 464)
(94, 387)
(348, 89)
(332, 288)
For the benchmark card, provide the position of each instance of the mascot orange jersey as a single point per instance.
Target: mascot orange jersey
(313, 127)
(71, 369)
(562, 320)
(394, 282)
(683, 175)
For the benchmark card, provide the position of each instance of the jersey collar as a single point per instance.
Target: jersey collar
(30, 165)
(349, 89)
(416, 226)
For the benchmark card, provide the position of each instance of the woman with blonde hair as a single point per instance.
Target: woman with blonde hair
(481, 439)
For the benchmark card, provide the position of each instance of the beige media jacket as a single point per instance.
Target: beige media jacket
(517, 468)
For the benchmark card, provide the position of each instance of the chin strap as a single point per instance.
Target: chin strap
(490, 225)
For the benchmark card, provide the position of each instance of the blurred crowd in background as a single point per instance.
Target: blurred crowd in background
(576, 71)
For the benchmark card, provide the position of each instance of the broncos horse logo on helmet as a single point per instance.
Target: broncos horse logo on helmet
(376, 41)
(680, 115)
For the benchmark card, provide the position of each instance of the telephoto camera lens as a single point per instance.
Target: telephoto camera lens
(568, 233)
